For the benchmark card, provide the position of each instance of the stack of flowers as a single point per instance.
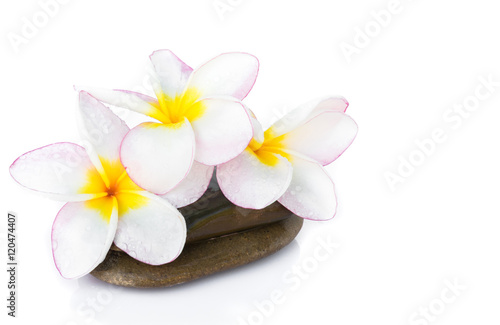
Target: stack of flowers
(125, 185)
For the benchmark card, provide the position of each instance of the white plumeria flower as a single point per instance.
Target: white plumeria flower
(201, 121)
(104, 204)
(285, 162)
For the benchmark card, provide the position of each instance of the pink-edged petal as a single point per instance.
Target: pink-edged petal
(304, 113)
(82, 236)
(229, 74)
(258, 131)
(222, 131)
(172, 73)
(254, 182)
(128, 99)
(60, 171)
(157, 156)
(323, 138)
(150, 229)
(311, 194)
(332, 104)
(192, 187)
(101, 130)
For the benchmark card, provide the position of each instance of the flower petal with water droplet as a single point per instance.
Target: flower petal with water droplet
(254, 181)
(323, 138)
(306, 112)
(82, 236)
(229, 74)
(153, 231)
(192, 187)
(157, 156)
(60, 171)
(222, 132)
(311, 194)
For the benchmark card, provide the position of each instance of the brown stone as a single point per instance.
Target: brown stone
(201, 258)
(220, 236)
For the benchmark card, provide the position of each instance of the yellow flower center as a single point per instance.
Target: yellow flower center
(271, 145)
(171, 110)
(113, 182)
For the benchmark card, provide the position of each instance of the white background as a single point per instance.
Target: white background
(398, 247)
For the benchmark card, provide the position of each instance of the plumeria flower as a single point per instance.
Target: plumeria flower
(200, 121)
(105, 205)
(285, 162)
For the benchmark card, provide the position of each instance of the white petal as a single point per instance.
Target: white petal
(311, 194)
(82, 236)
(60, 170)
(323, 138)
(192, 187)
(102, 131)
(128, 99)
(258, 132)
(150, 229)
(254, 183)
(306, 112)
(229, 74)
(158, 156)
(222, 131)
(171, 72)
